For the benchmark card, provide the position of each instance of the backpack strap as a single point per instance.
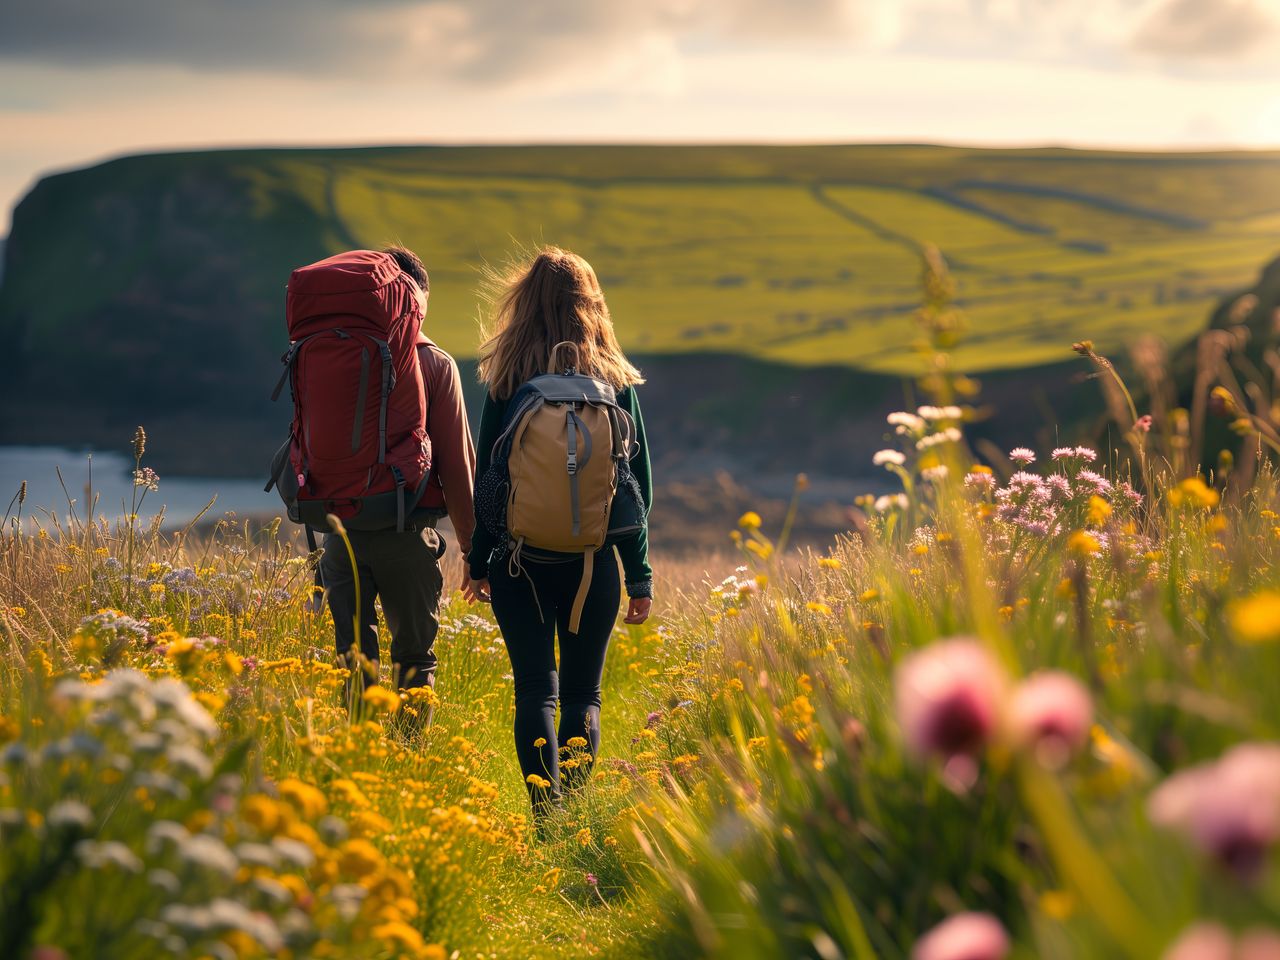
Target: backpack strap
(580, 601)
(388, 384)
(572, 464)
(289, 358)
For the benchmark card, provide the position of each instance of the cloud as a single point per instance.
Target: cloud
(1208, 30)
(478, 41)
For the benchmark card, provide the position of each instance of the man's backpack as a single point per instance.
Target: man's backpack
(358, 446)
(560, 478)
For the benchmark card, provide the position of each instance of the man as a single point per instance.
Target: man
(403, 568)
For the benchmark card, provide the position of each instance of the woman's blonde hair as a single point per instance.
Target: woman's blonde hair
(552, 298)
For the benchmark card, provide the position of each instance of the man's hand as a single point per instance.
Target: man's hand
(476, 591)
(638, 610)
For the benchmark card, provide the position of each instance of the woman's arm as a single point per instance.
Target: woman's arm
(634, 549)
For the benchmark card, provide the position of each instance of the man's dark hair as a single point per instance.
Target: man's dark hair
(411, 264)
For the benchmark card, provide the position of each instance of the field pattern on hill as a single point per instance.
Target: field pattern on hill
(809, 255)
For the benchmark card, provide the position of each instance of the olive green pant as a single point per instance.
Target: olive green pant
(401, 569)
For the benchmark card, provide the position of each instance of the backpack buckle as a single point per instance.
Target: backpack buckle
(572, 464)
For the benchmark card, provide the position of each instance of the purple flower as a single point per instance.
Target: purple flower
(653, 719)
(1051, 713)
(965, 936)
(1096, 482)
(1228, 808)
(948, 698)
(592, 880)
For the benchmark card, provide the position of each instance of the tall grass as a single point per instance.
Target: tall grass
(1041, 691)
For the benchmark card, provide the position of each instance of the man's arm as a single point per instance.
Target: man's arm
(453, 454)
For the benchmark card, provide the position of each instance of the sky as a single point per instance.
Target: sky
(82, 80)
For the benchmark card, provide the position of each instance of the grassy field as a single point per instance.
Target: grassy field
(800, 254)
(1021, 711)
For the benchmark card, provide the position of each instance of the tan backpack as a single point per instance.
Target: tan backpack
(564, 442)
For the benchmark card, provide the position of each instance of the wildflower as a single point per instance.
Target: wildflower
(1064, 453)
(1211, 941)
(381, 699)
(1228, 808)
(895, 501)
(935, 474)
(819, 608)
(1084, 544)
(1257, 619)
(895, 458)
(1195, 493)
(1052, 713)
(906, 422)
(359, 858)
(584, 837)
(540, 783)
(964, 936)
(1143, 424)
(977, 479)
(305, 798)
(1022, 456)
(750, 520)
(948, 698)
(1223, 404)
(829, 563)
(69, 814)
(578, 743)
(399, 935)
(147, 479)
(540, 742)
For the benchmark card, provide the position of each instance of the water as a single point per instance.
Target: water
(180, 497)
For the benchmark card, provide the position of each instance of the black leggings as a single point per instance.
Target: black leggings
(530, 641)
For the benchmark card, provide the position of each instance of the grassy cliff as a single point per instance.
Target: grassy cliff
(159, 279)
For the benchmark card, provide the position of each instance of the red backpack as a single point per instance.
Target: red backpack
(358, 446)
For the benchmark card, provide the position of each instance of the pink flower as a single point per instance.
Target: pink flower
(1052, 713)
(965, 936)
(1143, 423)
(948, 698)
(1203, 941)
(1229, 808)
(1211, 941)
(1022, 456)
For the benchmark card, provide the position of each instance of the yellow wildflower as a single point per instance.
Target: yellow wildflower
(584, 837)
(1256, 619)
(819, 608)
(830, 563)
(1099, 511)
(542, 783)
(400, 936)
(381, 699)
(577, 742)
(1083, 543)
(540, 742)
(359, 858)
(1194, 492)
(750, 520)
(305, 798)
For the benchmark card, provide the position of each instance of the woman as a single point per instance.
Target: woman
(552, 300)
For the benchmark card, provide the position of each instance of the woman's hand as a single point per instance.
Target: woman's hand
(638, 610)
(476, 591)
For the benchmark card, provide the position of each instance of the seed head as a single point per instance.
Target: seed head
(139, 443)
(22, 492)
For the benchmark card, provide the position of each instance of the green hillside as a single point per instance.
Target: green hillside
(163, 275)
